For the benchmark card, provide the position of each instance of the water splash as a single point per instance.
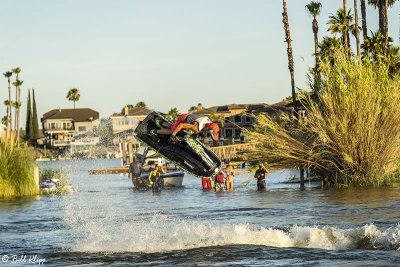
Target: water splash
(160, 233)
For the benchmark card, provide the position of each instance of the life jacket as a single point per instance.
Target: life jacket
(219, 178)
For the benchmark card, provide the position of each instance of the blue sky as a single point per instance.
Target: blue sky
(168, 53)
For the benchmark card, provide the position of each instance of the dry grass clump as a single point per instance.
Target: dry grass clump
(352, 133)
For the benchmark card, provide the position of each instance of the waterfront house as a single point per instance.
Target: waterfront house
(70, 127)
(233, 118)
(125, 123)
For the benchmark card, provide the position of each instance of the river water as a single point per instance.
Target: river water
(105, 222)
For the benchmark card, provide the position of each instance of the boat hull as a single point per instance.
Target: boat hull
(171, 178)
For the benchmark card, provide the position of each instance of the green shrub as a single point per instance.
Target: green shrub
(16, 170)
(352, 131)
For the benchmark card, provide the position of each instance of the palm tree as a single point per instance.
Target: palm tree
(356, 28)
(17, 85)
(314, 9)
(73, 95)
(374, 46)
(329, 47)
(285, 21)
(192, 109)
(346, 33)
(364, 19)
(16, 70)
(383, 6)
(341, 23)
(8, 75)
(141, 104)
(173, 114)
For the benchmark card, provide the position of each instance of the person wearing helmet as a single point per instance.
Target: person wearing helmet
(260, 174)
(187, 121)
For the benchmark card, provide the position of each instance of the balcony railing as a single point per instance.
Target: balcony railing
(58, 129)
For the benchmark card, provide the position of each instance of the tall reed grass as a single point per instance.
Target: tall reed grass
(16, 169)
(352, 132)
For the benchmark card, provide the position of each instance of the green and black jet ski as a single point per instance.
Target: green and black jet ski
(186, 152)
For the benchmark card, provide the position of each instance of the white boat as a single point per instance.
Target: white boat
(172, 178)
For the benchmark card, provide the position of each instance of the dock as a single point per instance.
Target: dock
(120, 170)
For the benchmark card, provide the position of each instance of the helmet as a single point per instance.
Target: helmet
(213, 131)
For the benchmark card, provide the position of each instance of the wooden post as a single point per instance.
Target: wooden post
(130, 148)
(123, 154)
(301, 177)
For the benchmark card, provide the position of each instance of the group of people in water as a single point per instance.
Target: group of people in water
(224, 179)
(194, 123)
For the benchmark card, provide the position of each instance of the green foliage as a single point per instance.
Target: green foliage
(16, 170)
(314, 8)
(173, 114)
(18, 83)
(73, 95)
(35, 134)
(329, 47)
(141, 104)
(376, 3)
(352, 131)
(214, 117)
(192, 109)
(28, 125)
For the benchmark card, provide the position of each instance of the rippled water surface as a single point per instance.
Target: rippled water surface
(106, 222)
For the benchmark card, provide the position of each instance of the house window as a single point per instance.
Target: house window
(238, 118)
(237, 133)
(52, 125)
(227, 120)
(247, 119)
(82, 128)
(228, 133)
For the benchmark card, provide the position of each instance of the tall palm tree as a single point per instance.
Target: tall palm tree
(314, 9)
(356, 28)
(17, 85)
(364, 19)
(141, 104)
(16, 70)
(383, 6)
(73, 95)
(341, 23)
(8, 75)
(285, 21)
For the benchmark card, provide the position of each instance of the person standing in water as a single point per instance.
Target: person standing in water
(230, 173)
(260, 174)
(155, 179)
(219, 181)
(206, 182)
